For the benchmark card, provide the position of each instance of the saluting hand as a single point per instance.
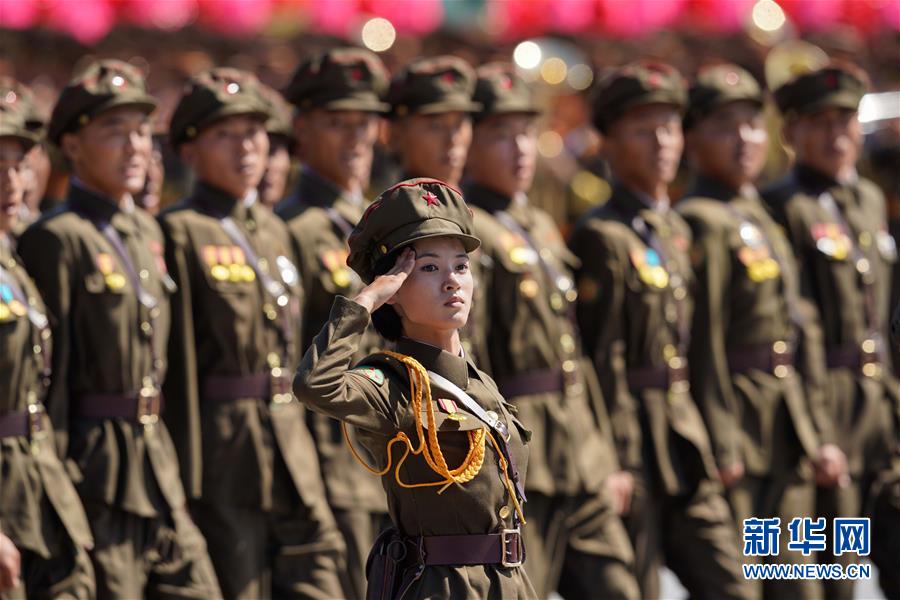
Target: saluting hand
(383, 288)
(10, 563)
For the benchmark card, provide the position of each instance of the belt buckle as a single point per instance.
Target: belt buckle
(148, 406)
(506, 536)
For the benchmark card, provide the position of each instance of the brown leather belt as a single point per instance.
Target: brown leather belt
(862, 357)
(23, 423)
(505, 548)
(143, 407)
(671, 376)
(538, 382)
(275, 384)
(776, 358)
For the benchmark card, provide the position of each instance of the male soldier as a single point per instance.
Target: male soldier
(98, 263)
(39, 508)
(36, 172)
(749, 322)
(576, 543)
(634, 311)
(431, 117)
(274, 182)
(431, 131)
(247, 457)
(835, 221)
(338, 112)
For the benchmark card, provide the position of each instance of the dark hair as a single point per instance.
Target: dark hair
(385, 318)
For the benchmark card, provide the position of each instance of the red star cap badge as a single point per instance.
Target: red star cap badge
(430, 198)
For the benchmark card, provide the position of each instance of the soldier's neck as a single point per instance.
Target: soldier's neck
(446, 340)
(123, 200)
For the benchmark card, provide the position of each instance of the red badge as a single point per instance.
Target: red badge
(430, 198)
(447, 405)
(449, 77)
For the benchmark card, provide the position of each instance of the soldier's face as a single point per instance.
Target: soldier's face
(338, 145)
(644, 145)
(437, 295)
(112, 151)
(504, 153)
(230, 154)
(37, 175)
(827, 140)
(12, 187)
(730, 144)
(433, 145)
(274, 181)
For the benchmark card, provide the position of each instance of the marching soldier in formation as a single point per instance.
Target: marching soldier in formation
(836, 223)
(41, 516)
(576, 542)
(235, 343)
(98, 264)
(634, 309)
(431, 117)
(337, 95)
(450, 452)
(767, 429)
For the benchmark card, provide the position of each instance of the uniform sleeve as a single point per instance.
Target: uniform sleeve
(811, 364)
(181, 388)
(475, 331)
(601, 311)
(51, 267)
(325, 383)
(710, 374)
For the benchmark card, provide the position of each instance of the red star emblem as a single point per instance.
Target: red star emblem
(430, 198)
(831, 80)
(356, 74)
(449, 77)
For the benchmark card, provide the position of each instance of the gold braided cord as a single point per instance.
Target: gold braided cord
(429, 446)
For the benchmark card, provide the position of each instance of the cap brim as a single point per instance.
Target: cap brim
(841, 99)
(431, 228)
(512, 108)
(223, 112)
(436, 108)
(141, 102)
(349, 104)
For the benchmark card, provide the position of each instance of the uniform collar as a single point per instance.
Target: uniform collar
(814, 180)
(707, 187)
(92, 203)
(454, 368)
(221, 204)
(631, 202)
(486, 198)
(315, 190)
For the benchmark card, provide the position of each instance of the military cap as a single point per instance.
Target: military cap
(279, 122)
(500, 91)
(411, 210)
(211, 96)
(22, 98)
(718, 85)
(433, 85)
(837, 85)
(12, 124)
(103, 85)
(637, 84)
(340, 79)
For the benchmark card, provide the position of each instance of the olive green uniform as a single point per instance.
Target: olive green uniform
(634, 312)
(39, 508)
(845, 256)
(320, 216)
(247, 456)
(454, 536)
(109, 348)
(576, 543)
(748, 327)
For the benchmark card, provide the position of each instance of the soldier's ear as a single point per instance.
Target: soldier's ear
(70, 145)
(187, 152)
(787, 131)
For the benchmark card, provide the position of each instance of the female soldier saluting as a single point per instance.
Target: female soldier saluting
(451, 453)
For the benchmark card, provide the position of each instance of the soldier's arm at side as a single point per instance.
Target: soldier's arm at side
(600, 311)
(710, 374)
(325, 383)
(181, 388)
(50, 265)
